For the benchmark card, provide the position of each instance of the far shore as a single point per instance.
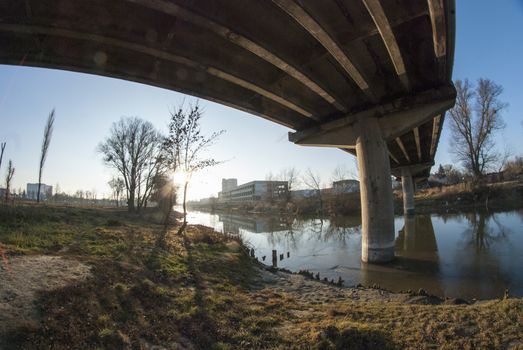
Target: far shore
(462, 197)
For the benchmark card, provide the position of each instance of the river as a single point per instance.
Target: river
(471, 255)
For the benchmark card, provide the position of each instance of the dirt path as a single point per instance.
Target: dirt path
(24, 276)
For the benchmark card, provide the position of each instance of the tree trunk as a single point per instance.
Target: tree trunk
(38, 192)
(168, 210)
(321, 201)
(185, 202)
(182, 228)
(130, 202)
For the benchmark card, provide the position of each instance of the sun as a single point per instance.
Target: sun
(180, 177)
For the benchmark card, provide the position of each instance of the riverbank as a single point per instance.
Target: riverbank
(437, 200)
(126, 289)
(468, 196)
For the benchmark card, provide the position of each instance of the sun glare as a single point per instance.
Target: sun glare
(179, 177)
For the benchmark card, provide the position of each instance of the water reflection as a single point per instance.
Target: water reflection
(417, 237)
(483, 257)
(233, 223)
(473, 255)
(416, 263)
(481, 235)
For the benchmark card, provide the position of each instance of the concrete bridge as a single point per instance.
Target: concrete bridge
(370, 77)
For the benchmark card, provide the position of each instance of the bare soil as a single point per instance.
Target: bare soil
(23, 277)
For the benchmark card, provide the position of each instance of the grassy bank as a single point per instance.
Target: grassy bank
(469, 196)
(202, 291)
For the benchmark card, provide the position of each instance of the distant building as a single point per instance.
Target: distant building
(2, 193)
(45, 191)
(255, 191)
(297, 194)
(346, 186)
(229, 184)
(206, 201)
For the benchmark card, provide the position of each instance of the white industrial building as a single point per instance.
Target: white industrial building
(229, 184)
(45, 191)
(252, 191)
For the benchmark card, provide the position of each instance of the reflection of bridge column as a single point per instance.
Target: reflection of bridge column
(409, 233)
(408, 192)
(417, 237)
(377, 211)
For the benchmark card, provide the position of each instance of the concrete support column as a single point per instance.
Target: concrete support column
(408, 192)
(377, 211)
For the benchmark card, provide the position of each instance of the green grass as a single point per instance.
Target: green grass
(198, 289)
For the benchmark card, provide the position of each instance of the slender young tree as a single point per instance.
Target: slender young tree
(270, 178)
(48, 133)
(291, 175)
(473, 121)
(8, 179)
(184, 147)
(2, 148)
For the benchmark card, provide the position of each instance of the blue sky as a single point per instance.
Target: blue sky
(488, 44)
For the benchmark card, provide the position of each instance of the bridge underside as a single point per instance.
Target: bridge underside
(326, 69)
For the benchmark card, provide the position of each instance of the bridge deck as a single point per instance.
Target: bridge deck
(302, 64)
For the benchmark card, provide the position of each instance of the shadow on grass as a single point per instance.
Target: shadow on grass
(351, 338)
(186, 299)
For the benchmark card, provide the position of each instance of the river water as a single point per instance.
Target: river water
(472, 255)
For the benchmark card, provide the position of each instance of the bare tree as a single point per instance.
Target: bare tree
(292, 176)
(8, 178)
(313, 181)
(117, 186)
(184, 147)
(133, 149)
(503, 159)
(451, 174)
(57, 190)
(270, 178)
(154, 167)
(2, 148)
(440, 174)
(341, 172)
(473, 121)
(513, 168)
(48, 133)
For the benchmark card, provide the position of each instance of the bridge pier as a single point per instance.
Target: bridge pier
(368, 132)
(377, 211)
(408, 192)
